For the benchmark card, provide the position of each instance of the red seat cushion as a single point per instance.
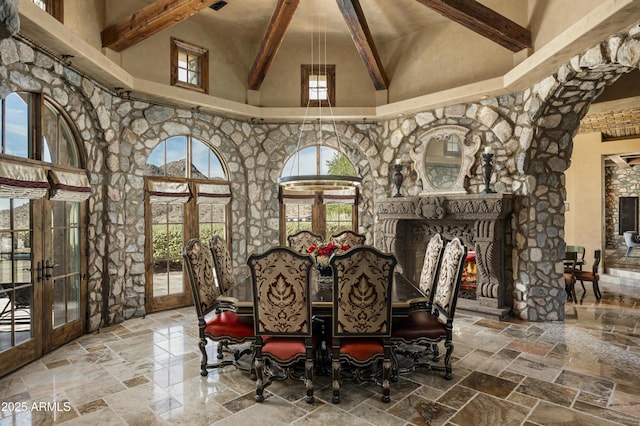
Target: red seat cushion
(228, 324)
(569, 278)
(416, 325)
(361, 349)
(283, 348)
(587, 276)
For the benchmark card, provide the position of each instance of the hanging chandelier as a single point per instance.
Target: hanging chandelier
(318, 181)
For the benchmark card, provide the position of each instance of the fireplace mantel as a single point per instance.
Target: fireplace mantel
(480, 221)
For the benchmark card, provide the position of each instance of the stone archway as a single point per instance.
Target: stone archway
(556, 105)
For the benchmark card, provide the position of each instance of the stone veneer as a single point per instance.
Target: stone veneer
(618, 182)
(530, 131)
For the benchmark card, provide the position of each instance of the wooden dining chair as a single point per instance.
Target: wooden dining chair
(222, 326)
(350, 238)
(282, 315)
(570, 258)
(302, 240)
(427, 284)
(362, 284)
(425, 327)
(223, 267)
(592, 276)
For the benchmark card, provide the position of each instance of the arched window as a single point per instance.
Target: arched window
(188, 196)
(322, 210)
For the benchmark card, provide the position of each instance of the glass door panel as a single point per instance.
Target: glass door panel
(168, 236)
(18, 301)
(62, 273)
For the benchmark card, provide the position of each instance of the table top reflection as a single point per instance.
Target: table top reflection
(403, 292)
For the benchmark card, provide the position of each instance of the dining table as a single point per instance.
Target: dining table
(404, 294)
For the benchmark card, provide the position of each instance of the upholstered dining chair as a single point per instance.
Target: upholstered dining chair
(423, 327)
(362, 285)
(428, 276)
(592, 275)
(350, 238)
(302, 240)
(221, 326)
(282, 315)
(222, 263)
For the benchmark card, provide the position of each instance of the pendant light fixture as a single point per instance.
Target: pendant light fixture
(318, 182)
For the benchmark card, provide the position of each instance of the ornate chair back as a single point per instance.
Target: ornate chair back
(449, 279)
(362, 284)
(199, 264)
(350, 238)
(302, 240)
(432, 260)
(282, 311)
(222, 262)
(282, 306)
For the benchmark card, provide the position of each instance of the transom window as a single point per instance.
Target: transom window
(318, 85)
(189, 66)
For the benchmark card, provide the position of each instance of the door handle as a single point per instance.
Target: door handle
(47, 269)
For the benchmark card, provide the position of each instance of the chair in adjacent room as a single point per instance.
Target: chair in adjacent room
(428, 276)
(592, 276)
(362, 284)
(631, 240)
(222, 326)
(282, 315)
(580, 257)
(349, 238)
(569, 261)
(425, 327)
(302, 240)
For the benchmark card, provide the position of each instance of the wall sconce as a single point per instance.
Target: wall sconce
(398, 177)
(487, 170)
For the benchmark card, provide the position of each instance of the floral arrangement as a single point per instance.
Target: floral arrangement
(321, 252)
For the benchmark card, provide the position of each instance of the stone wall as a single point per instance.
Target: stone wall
(530, 132)
(618, 182)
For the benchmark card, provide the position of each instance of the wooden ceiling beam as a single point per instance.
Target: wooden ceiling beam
(619, 161)
(150, 20)
(357, 25)
(280, 20)
(483, 21)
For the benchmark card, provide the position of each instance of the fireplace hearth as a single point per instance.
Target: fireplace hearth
(482, 222)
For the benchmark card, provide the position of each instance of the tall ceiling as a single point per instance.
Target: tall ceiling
(267, 22)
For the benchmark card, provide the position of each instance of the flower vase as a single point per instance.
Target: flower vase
(325, 277)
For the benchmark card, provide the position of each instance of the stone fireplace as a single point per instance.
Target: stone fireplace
(482, 222)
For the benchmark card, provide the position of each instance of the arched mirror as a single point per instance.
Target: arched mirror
(443, 157)
(443, 160)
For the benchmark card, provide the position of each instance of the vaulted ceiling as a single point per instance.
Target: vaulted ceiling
(364, 27)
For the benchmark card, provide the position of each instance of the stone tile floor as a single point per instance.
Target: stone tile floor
(146, 372)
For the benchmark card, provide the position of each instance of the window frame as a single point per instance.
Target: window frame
(327, 70)
(201, 53)
(54, 8)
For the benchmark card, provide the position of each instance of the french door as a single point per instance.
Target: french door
(42, 278)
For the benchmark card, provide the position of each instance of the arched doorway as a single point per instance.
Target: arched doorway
(43, 189)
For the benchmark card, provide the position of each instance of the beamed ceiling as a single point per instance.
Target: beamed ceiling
(162, 14)
(265, 24)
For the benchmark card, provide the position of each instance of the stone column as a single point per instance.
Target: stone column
(9, 19)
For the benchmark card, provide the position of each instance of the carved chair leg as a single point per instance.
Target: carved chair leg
(259, 368)
(596, 289)
(335, 367)
(309, 376)
(386, 373)
(447, 360)
(204, 359)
